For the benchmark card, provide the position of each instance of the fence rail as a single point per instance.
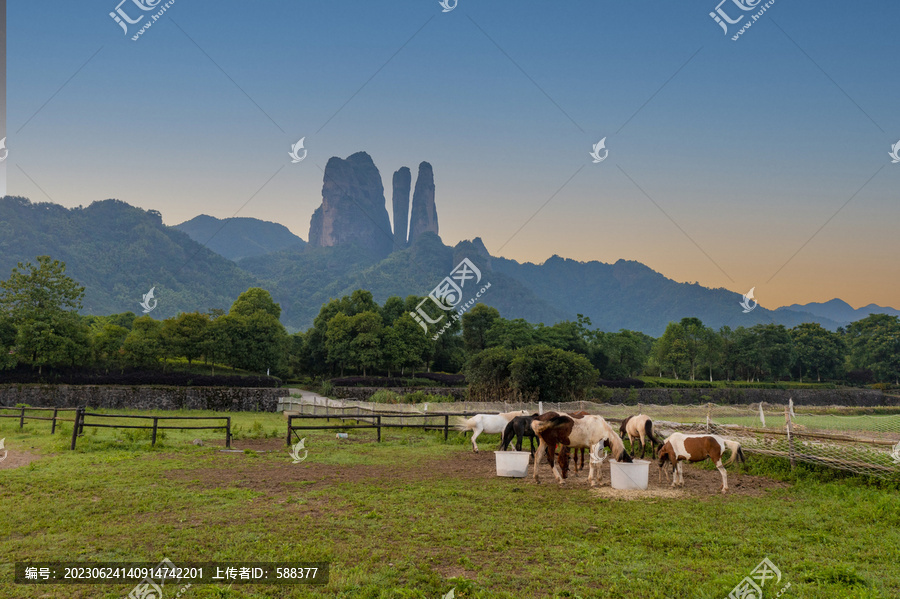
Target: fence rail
(81, 414)
(23, 409)
(378, 421)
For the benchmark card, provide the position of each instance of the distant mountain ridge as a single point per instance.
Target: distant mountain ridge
(240, 237)
(840, 311)
(118, 252)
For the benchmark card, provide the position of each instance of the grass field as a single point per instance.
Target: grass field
(414, 516)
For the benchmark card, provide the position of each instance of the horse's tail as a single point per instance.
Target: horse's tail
(465, 424)
(508, 433)
(736, 451)
(648, 429)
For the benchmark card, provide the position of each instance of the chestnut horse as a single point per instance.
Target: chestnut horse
(696, 448)
(576, 433)
(639, 426)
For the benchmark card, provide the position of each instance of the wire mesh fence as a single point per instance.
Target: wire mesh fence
(864, 444)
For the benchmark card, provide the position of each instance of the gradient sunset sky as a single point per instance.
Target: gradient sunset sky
(761, 162)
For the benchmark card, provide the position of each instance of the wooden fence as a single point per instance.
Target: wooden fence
(22, 417)
(81, 414)
(375, 420)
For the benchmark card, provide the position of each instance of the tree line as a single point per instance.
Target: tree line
(40, 326)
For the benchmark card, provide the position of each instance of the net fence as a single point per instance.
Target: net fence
(862, 443)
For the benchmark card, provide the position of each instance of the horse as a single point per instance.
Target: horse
(695, 448)
(518, 427)
(577, 433)
(486, 423)
(639, 426)
(575, 463)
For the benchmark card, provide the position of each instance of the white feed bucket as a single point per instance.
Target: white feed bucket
(512, 463)
(629, 476)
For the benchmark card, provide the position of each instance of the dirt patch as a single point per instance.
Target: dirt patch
(16, 458)
(243, 471)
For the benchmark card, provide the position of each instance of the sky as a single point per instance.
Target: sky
(758, 162)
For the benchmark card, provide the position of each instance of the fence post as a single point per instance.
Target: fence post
(53, 427)
(228, 431)
(78, 417)
(155, 424)
(708, 414)
(446, 426)
(22, 419)
(540, 408)
(290, 421)
(790, 436)
(379, 428)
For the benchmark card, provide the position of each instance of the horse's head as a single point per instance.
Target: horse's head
(665, 454)
(623, 428)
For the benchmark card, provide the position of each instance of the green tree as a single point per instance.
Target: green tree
(107, 343)
(143, 347)
(475, 325)
(543, 373)
(42, 302)
(255, 300)
(818, 350)
(185, 335)
(873, 343)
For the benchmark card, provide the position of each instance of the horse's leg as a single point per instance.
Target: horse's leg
(537, 458)
(519, 436)
(721, 468)
(643, 444)
(475, 434)
(681, 474)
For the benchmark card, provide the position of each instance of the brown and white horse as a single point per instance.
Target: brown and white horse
(696, 448)
(486, 423)
(576, 433)
(639, 426)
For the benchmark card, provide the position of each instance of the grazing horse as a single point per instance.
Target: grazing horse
(696, 448)
(576, 433)
(575, 463)
(518, 427)
(486, 423)
(639, 426)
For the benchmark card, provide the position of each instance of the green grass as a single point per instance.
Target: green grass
(400, 533)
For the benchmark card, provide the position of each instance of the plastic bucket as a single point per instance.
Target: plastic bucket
(512, 463)
(629, 476)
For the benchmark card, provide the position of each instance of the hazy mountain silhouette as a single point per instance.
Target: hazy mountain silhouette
(237, 238)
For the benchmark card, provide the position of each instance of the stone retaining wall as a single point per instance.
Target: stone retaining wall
(222, 399)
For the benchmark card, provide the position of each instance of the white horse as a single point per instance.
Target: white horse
(486, 423)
